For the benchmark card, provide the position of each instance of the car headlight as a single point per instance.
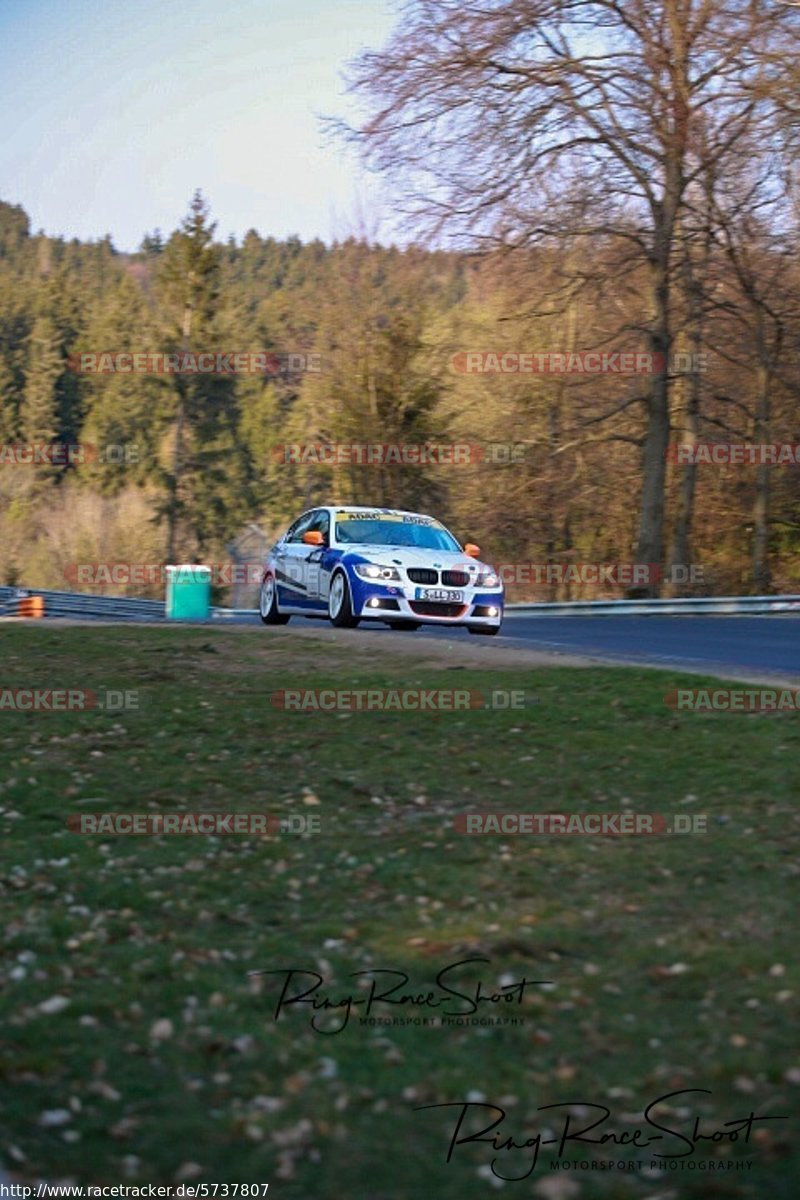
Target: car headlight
(374, 572)
(487, 579)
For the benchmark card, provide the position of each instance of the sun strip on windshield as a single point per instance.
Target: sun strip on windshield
(400, 518)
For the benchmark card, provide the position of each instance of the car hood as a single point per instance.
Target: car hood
(408, 556)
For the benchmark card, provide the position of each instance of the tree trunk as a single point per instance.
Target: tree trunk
(557, 524)
(651, 521)
(680, 550)
(762, 576)
(693, 279)
(173, 510)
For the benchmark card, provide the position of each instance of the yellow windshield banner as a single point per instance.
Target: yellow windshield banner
(400, 518)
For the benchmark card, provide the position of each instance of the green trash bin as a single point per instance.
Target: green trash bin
(188, 593)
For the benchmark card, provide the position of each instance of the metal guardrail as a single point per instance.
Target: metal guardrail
(82, 606)
(677, 607)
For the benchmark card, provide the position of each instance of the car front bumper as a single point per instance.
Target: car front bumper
(384, 602)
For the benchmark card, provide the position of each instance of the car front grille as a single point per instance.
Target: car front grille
(423, 575)
(455, 578)
(430, 608)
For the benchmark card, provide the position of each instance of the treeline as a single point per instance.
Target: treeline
(195, 459)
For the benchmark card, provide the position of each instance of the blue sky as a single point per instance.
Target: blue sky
(113, 111)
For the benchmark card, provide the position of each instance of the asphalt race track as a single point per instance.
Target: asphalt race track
(750, 647)
(757, 647)
(744, 644)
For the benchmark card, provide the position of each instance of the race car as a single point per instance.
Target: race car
(382, 564)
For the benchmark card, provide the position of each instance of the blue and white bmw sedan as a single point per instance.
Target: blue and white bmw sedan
(353, 564)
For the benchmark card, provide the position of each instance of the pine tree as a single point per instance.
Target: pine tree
(203, 442)
(9, 403)
(39, 416)
(14, 228)
(126, 414)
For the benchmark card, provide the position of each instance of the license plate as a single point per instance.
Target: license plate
(440, 594)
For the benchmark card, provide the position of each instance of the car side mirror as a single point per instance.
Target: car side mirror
(313, 538)
(471, 550)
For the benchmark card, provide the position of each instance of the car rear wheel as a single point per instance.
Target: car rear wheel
(487, 630)
(268, 603)
(340, 606)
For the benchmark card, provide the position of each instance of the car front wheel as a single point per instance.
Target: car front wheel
(340, 605)
(268, 603)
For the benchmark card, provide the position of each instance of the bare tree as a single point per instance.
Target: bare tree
(765, 309)
(485, 112)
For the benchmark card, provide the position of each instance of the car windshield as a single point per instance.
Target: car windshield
(421, 533)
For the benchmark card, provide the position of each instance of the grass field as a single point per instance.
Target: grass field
(137, 1048)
